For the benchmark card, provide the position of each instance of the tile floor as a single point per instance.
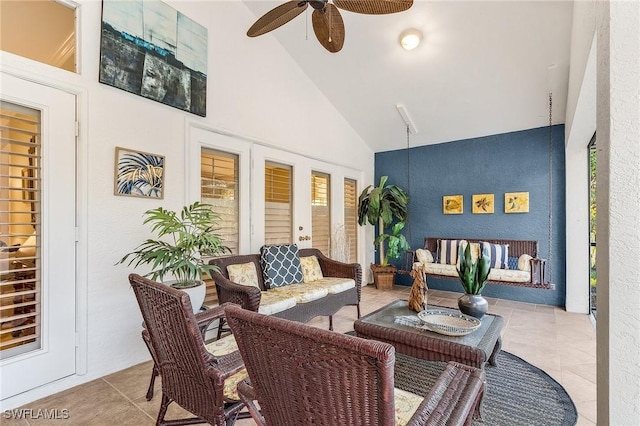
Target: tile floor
(560, 343)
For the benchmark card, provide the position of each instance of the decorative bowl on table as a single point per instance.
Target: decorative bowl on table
(448, 323)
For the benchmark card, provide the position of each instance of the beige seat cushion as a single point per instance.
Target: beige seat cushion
(272, 302)
(231, 385)
(335, 285)
(301, 292)
(406, 404)
(223, 346)
(509, 275)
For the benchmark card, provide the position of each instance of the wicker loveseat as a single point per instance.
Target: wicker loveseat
(527, 271)
(301, 302)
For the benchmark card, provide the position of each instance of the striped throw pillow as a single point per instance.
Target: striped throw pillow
(448, 251)
(498, 253)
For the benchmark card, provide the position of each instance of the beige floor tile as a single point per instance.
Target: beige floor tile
(133, 382)
(572, 357)
(587, 410)
(16, 419)
(582, 421)
(89, 404)
(586, 371)
(516, 305)
(578, 387)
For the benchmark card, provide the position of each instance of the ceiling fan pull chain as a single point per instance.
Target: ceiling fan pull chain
(330, 22)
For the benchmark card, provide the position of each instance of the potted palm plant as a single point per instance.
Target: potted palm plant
(473, 276)
(184, 240)
(382, 205)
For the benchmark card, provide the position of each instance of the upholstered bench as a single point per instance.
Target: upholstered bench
(322, 288)
(513, 262)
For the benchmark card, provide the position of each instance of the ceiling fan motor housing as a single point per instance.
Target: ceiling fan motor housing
(318, 4)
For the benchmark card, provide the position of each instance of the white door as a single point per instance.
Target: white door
(37, 235)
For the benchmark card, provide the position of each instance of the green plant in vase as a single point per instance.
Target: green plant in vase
(184, 240)
(382, 205)
(473, 276)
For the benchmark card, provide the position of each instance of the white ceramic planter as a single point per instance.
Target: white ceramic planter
(196, 295)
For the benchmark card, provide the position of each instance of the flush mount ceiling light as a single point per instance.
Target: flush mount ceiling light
(410, 39)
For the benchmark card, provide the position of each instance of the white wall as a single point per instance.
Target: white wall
(618, 263)
(254, 89)
(579, 128)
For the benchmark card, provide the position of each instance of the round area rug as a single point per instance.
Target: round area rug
(518, 394)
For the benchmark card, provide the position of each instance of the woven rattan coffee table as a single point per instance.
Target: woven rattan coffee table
(474, 349)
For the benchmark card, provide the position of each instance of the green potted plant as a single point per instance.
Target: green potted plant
(473, 276)
(382, 205)
(184, 240)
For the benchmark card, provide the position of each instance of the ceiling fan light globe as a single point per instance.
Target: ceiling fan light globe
(410, 39)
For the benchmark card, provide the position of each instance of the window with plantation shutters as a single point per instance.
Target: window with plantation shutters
(351, 218)
(278, 217)
(19, 230)
(321, 212)
(219, 187)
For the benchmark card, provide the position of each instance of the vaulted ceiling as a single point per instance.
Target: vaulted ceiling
(483, 68)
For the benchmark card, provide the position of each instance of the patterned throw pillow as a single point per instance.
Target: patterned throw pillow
(311, 270)
(448, 251)
(280, 265)
(524, 263)
(498, 253)
(512, 263)
(424, 256)
(244, 274)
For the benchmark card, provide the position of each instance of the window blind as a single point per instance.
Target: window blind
(321, 212)
(19, 229)
(278, 215)
(351, 218)
(219, 186)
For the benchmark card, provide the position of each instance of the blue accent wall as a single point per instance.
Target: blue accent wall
(511, 162)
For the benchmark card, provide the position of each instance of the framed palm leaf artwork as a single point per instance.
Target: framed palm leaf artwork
(139, 174)
(482, 204)
(452, 204)
(516, 202)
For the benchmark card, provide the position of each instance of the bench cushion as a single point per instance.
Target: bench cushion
(509, 275)
(335, 285)
(280, 265)
(272, 302)
(301, 292)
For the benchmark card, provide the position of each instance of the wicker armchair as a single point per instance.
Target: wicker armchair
(303, 375)
(191, 376)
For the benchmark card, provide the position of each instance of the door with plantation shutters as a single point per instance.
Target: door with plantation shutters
(37, 235)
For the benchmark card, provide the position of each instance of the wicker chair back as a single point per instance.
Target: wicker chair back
(306, 375)
(191, 376)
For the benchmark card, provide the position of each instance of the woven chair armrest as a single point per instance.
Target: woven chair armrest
(229, 292)
(457, 392)
(209, 315)
(221, 373)
(248, 396)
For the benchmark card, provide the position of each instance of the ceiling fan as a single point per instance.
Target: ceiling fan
(326, 19)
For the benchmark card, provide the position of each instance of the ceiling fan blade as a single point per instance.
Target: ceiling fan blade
(374, 7)
(277, 17)
(329, 27)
